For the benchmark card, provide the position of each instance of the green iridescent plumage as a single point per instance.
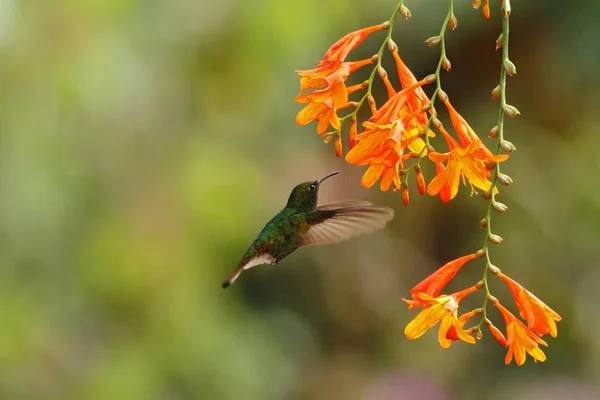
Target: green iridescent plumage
(303, 223)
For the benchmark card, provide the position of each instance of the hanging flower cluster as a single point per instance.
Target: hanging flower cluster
(396, 141)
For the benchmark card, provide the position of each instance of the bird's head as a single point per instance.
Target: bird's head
(304, 197)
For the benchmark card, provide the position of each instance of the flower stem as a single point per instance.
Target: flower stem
(438, 82)
(488, 217)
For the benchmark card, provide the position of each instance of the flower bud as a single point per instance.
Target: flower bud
(479, 284)
(426, 107)
(487, 195)
(510, 67)
(490, 166)
(479, 335)
(385, 25)
(405, 12)
(452, 22)
(511, 111)
(442, 96)
(405, 196)
(496, 333)
(492, 299)
(504, 179)
(338, 145)
(494, 132)
(430, 78)
(496, 93)
(507, 146)
(499, 207)
(374, 58)
(381, 72)
(392, 46)
(420, 180)
(500, 41)
(496, 239)
(446, 64)
(480, 253)
(493, 269)
(430, 149)
(436, 122)
(327, 137)
(433, 41)
(506, 8)
(483, 223)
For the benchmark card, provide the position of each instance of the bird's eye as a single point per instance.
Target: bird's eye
(312, 187)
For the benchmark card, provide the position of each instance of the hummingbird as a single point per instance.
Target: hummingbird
(303, 223)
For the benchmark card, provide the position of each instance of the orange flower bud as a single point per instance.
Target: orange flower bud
(480, 285)
(496, 239)
(494, 132)
(452, 22)
(405, 12)
(338, 145)
(496, 333)
(500, 41)
(446, 64)
(511, 111)
(487, 195)
(420, 180)
(479, 335)
(483, 223)
(385, 25)
(490, 166)
(486, 9)
(496, 93)
(405, 196)
(433, 41)
(492, 299)
(510, 67)
(392, 46)
(507, 146)
(480, 253)
(436, 122)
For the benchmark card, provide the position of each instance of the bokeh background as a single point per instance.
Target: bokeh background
(143, 145)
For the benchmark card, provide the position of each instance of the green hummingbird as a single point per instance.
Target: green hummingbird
(303, 223)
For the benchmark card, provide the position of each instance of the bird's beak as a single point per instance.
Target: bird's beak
(327, 176)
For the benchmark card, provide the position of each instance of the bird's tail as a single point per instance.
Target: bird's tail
(231, 278)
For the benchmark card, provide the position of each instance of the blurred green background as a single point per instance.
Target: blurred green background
(143, 145)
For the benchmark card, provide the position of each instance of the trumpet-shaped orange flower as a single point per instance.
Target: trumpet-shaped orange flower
(340, 49)
(329, 73)
(466, 162)
(435, 283)
(540, 318)
(389, 132)
(441, 309)
(322, 106)
(520, 339)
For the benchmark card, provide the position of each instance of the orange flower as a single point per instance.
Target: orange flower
(329, 73)
(520, 339)
(540, 318)
(322, 106)
(340, 49)
(388, 133)
(434, 283)
(441, 309)
(407, 79)
(466, 162)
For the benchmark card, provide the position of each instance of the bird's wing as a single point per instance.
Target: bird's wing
(331, 224)
(342, 204)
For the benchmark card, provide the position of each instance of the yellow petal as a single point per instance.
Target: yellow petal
(424, 320)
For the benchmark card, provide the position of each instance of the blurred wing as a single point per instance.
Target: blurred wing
(343, 204)
(332, 225)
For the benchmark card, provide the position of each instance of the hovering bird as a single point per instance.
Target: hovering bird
(303, 223)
